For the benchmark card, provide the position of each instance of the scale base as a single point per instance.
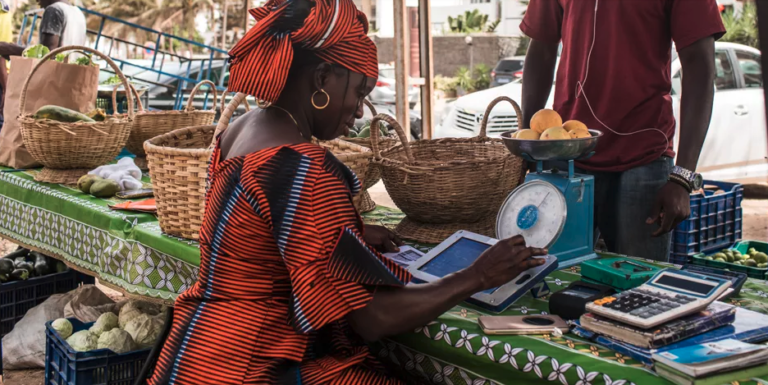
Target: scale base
(576, 261)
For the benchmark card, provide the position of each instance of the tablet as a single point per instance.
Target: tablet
(459, 251)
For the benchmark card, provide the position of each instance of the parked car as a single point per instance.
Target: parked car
(511, 68)
(736, 145)
(384, 92)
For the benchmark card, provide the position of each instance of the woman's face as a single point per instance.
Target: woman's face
(346, 90)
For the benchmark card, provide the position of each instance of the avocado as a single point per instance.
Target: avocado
(740, 263)
(86, 181)
(720, 255)
(760, 257)
(762, 265)
(365, 133)
(105, 188)
(750, 263)
(720, 259)
(708, 258)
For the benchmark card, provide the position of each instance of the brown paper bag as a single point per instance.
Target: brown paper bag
(65, 85)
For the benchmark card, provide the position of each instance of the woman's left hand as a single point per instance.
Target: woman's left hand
(382, 239)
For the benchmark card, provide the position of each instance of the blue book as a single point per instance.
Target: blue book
(749, 326)
(712, 357)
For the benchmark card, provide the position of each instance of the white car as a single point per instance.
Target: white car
(384, 92)
(736, 146)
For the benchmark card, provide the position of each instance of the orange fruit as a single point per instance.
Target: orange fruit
(555, 133)
(545, 119)
(527, 135)
(573, 125)
(579, 133)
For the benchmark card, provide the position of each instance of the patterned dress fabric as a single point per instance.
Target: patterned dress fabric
(283, 262)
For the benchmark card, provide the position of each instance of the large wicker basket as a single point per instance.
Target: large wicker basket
(69, 150)
(446, 185)
(149, 124)
(178, 166)
(372, 175)
(358, 159)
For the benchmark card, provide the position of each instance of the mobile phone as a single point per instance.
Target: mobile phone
(133, 194)
(524, 324)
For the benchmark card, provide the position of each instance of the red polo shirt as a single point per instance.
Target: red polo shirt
(629, 72)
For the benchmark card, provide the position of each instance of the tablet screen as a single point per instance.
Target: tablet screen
(457, 256)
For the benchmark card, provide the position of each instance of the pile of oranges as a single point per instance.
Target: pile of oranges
(548, 125)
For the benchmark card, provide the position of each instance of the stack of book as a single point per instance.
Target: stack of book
(713, 363)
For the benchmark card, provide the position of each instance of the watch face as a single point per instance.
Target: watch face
(698, 181)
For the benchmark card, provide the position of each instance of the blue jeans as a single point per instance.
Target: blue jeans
(623, 201)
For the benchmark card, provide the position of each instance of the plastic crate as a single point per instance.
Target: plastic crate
(715, 222)
(743, 246)
(17, 297)
(64, 366)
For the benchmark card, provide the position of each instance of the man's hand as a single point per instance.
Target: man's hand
(672, 206)
(382, 239)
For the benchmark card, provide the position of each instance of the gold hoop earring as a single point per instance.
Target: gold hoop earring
(327, 100)
(263, 104)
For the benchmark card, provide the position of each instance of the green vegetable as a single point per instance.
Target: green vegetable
(760, 257)
(61, 58)
(19, 275)
(720, 259)
(708, 258)
(82, 341)
(750, 263)
(112, 81)
(144, 329)
(26, 266)
(20, 252)
(365, 133)
(739, 262)
(6, 266)
(36, 51)
(116, 340)
(85, 61)
(61, 114)
(63, 327)
(720, 255)
(104, 323)
(18, 261)
(762, 265)
(105, 188)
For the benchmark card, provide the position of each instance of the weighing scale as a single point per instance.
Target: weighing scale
(620, 273)
(553, 209)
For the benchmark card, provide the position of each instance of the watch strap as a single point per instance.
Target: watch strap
(682, 182)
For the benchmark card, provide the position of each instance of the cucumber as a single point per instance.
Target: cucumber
(6, 266)
(19, 275)
(61, 114)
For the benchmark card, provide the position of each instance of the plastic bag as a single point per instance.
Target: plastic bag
(24, 346)
(88, 303)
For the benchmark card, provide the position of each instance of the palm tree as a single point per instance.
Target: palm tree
(742, 28)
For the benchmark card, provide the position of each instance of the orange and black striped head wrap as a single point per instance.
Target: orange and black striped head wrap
(335, 31)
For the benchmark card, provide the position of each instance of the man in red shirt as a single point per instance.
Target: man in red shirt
(614, 76)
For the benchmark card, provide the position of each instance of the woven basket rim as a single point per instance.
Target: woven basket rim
(154, 145)
(112, 120)
(385, 157)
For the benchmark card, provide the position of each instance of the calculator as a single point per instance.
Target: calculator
(668, 295)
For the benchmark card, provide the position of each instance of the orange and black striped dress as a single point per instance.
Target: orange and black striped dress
(282, 263)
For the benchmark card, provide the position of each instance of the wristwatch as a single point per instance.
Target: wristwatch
(692, 181)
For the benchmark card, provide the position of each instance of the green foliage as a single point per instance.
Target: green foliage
(522, 48)
(492, 27)
(482, 77)
(464, 79)
(469, 22)
(446, 84)
(742, 28)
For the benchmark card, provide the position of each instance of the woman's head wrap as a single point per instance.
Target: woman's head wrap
(334, 30)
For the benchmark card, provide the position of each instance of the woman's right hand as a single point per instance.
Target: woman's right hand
(503, 262)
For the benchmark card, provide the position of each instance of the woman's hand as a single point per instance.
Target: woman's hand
(503, 262)
(382, 239)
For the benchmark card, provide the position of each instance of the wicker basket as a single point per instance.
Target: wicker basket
(149, 124)
(445, 185)
(358, 159)
(69, 150)
(178, 166)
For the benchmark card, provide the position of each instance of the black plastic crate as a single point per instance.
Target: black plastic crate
(64, 366)
(17, 297)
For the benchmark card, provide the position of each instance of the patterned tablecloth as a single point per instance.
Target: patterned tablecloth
(129, 251)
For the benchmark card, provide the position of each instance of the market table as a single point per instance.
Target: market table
(128, 251)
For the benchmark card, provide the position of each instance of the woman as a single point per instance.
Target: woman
(291, 285)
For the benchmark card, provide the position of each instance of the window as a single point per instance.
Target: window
(750, 68)
(725, 78)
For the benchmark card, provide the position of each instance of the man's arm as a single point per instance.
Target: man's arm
(49, 40)
(672, 204)
(698, 62)
(10, 49)
(539, 71)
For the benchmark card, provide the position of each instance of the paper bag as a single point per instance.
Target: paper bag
(65, 85)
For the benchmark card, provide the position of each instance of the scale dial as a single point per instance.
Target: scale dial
(536, 210)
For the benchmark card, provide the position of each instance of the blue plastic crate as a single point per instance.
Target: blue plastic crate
(715, 222)
(17, 297)
(64, 366)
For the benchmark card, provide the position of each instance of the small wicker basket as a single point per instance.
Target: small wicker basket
(178, 165)
(149, 124)
(446, 185)
(70, 150)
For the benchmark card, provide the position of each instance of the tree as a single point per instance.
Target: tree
(742, 28)
(469, 22)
